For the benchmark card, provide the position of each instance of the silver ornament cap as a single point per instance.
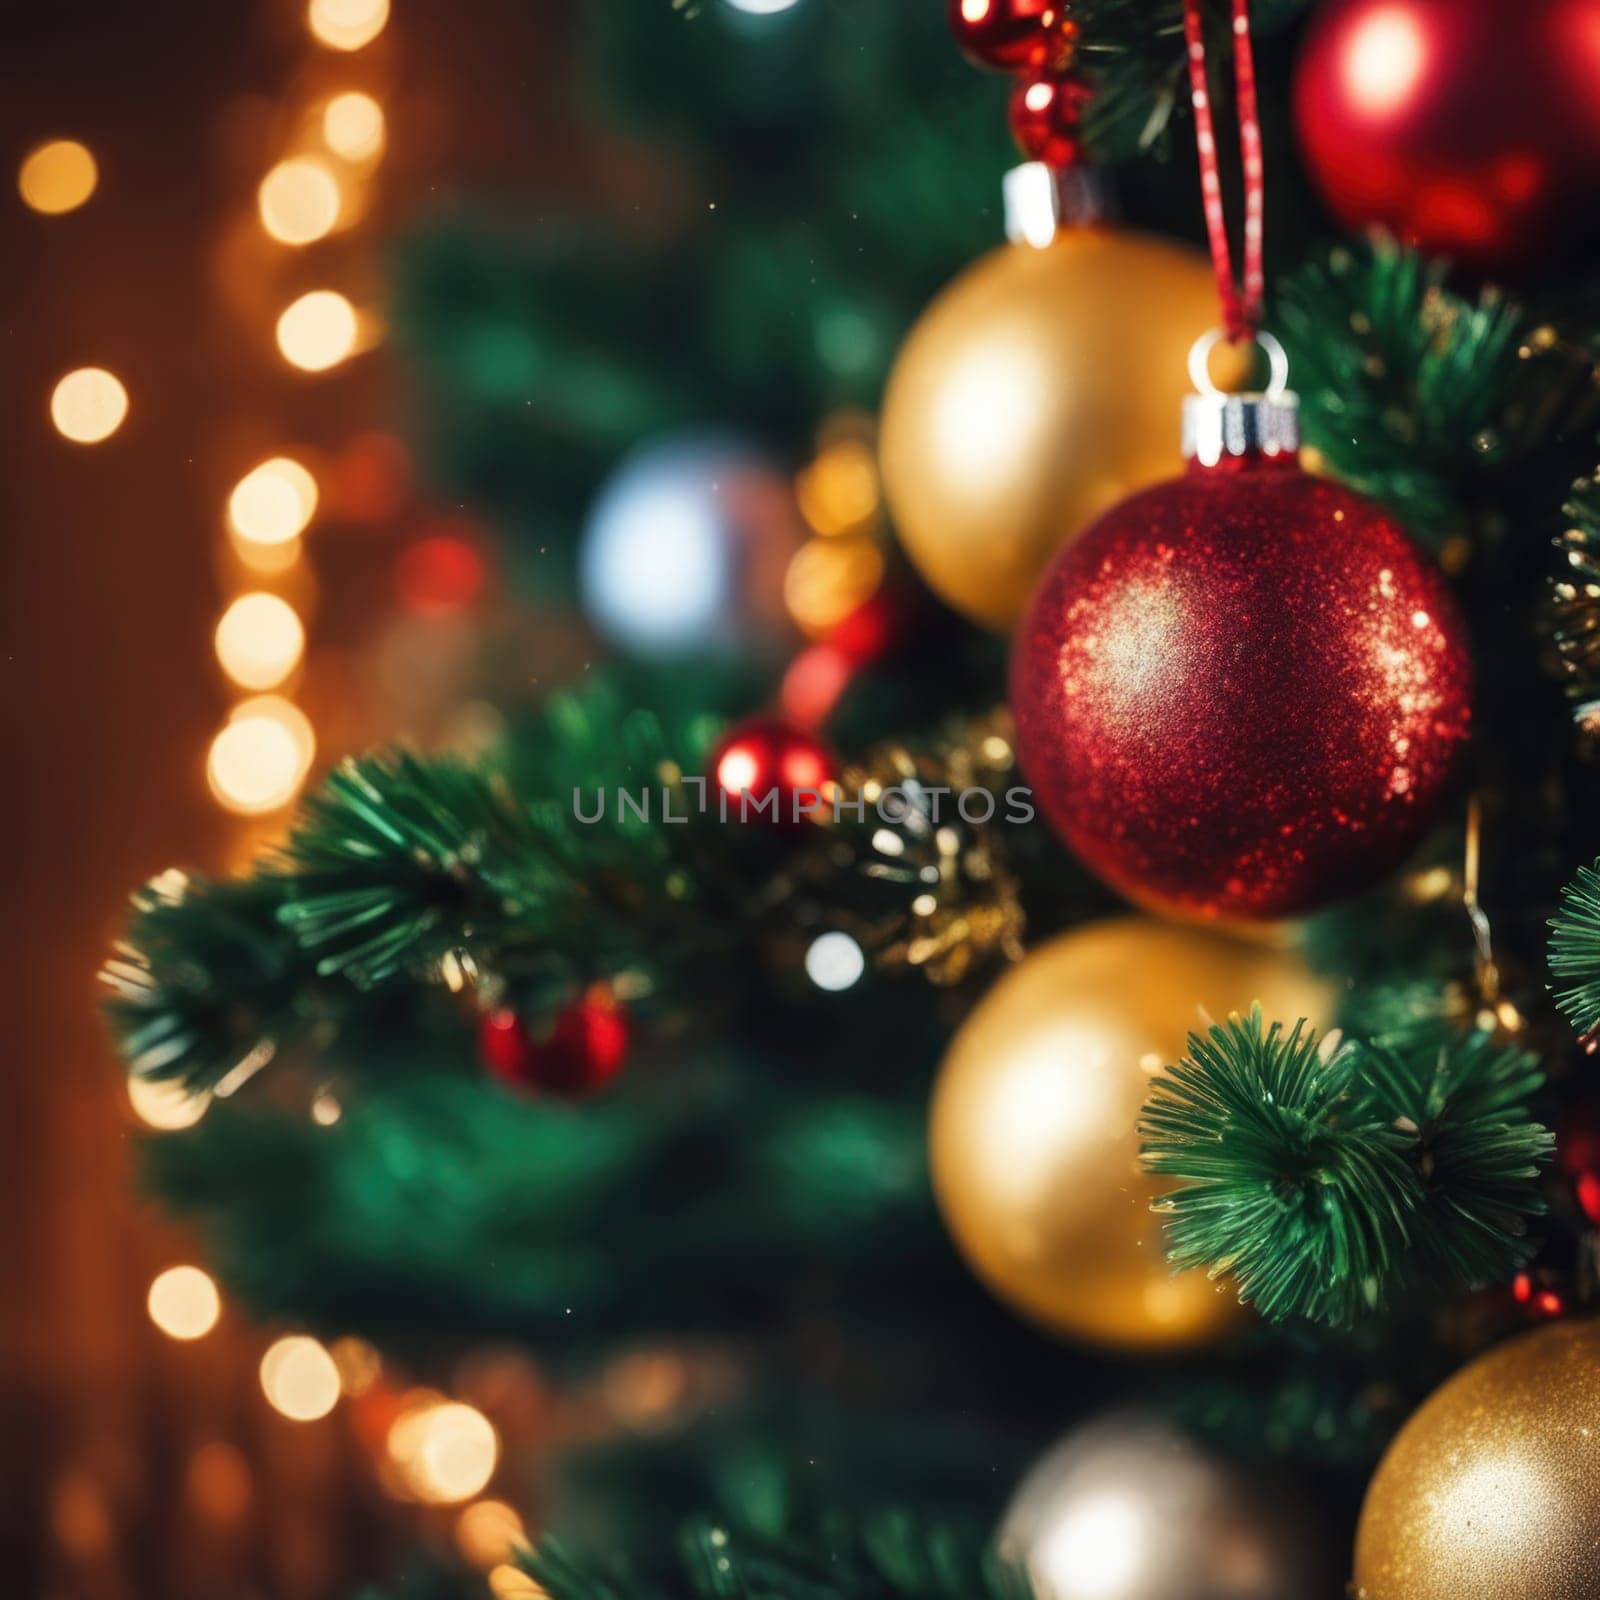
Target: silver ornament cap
(1260, 423)
(1041, 201)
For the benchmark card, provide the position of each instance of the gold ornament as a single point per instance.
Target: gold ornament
(1490, 1491)
(1128, 1508)
(1033, 1144)
(1040, 388)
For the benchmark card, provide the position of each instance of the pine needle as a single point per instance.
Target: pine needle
(890, 1556)
(1321, 1184)
(206, 980)
(1575, 950)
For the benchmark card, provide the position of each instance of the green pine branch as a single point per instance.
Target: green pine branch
(1134, 49)
(405, 874)
(1408, 391)
(399, 862)
(405, 877)
(1322, 1183)
(207, 980)
(893, 1556)
(1575, 950)
(380, 1224)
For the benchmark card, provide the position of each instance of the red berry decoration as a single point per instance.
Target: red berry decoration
(1467, 127)
(1046, 111)
(1241, 693)
(768, 770)
(583, 1052)
(1012, 34)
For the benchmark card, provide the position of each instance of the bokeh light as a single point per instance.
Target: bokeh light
(512, 1583)
(259, 640)
(438, 575)
(183, 1303)
(299, 1378)
(445, 1451)
(762, 8)
(834, 961)
(488, 1532)
(258, 762)
(284, 711)
(57, 176)
(318, 330)
(507, 1582)
(813, 683)
(88, 405)
(165, 1105)
(266, 560)
(218, 1483)
(353, 127)
(299, 201)
(839, 492)
(360, 1366)
(371, 480)
(272, 503)
(828, 578)
(658, 563)
(347, 24)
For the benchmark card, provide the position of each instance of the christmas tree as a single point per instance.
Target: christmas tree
(757, 1033)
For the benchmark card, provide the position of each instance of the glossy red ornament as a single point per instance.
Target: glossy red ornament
(583, 1052)
(1467, 127)
(1046, 113)
(770, 771)
(1012, 34)
(1241, 693)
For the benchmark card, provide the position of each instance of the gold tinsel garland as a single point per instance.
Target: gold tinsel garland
(918, 885)
(1575, 625)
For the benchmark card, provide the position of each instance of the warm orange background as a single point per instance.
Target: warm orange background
(129, 1465)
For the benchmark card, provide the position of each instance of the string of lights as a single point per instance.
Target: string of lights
(428, 1448)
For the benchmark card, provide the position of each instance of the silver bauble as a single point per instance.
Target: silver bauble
(1129, 1508)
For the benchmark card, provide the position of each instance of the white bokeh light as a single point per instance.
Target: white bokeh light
(834, 961)
(1096, 1550)
(761, 8)
(657, 564)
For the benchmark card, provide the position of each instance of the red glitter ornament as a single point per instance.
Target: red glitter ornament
(1012, 34)
(1467, 127)
(770, 771)
(1241, 693)
(583, 1052)
(1046, 111)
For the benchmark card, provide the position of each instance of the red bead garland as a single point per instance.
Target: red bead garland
(583, 1052)
(768, 770)
(1012, 34)
(1046, 112)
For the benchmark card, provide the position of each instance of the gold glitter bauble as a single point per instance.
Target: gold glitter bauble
(1492, 1490)
(1033, 1142)
(1041, 387)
